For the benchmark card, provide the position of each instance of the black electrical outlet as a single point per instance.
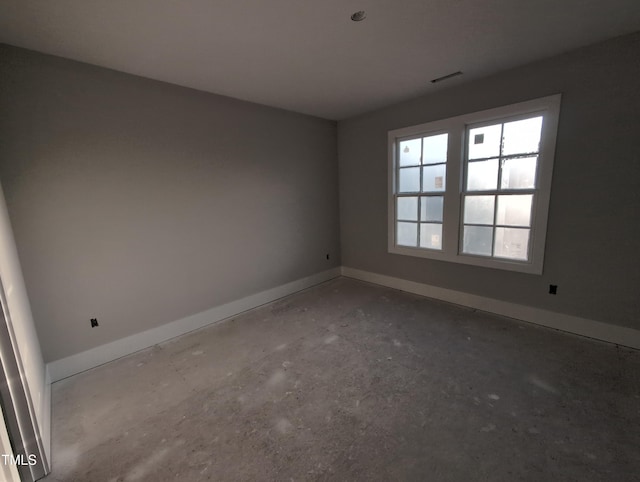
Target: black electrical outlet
(94, 322)
(553, 289)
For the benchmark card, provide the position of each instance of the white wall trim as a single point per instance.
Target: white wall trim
(94, 357)
(65, 367)
(45, 429)
(580, 326)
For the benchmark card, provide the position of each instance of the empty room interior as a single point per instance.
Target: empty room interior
(328, 240)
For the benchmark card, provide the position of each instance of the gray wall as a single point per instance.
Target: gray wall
(592, 251)
(139, 203)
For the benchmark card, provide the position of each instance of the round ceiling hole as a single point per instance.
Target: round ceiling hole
(359, 16)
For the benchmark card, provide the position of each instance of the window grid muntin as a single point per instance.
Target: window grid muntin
(547, 107)
(421, 193)
(499, 191)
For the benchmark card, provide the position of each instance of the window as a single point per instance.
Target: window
(422, 170)
(475, 189)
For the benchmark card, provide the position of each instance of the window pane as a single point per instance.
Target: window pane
(435, 149)
(482, 175)
(409, 179)
(512, 243)
(407, 234)
(431, 209)
(477, 240)
(514, 210)
(478, 209)
(519, 173)
(522, 136)
(408, 208)
(410, 152)
(484, 141)
(433, 178)
(431, 236)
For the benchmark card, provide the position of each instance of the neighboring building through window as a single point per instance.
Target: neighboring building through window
(475, 188)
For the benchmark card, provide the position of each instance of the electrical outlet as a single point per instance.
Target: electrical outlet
(553, 289)
(94, 322)
(327, 255)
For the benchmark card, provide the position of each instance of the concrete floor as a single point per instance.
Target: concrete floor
(350, 381)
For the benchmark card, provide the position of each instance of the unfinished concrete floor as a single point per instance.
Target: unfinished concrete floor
(350, 381)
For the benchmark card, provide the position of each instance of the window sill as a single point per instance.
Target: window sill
(468, 259)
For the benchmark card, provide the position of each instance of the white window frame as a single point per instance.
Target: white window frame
(456, 127)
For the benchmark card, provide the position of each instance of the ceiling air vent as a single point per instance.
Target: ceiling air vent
(445, 77)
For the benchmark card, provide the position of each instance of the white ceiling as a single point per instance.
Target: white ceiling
(308, 56)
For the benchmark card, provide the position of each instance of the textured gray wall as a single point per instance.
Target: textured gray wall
(139, 203)
(592, 251)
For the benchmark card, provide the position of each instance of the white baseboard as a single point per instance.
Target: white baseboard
(572, 324)
(65, 367)
(94, 357)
